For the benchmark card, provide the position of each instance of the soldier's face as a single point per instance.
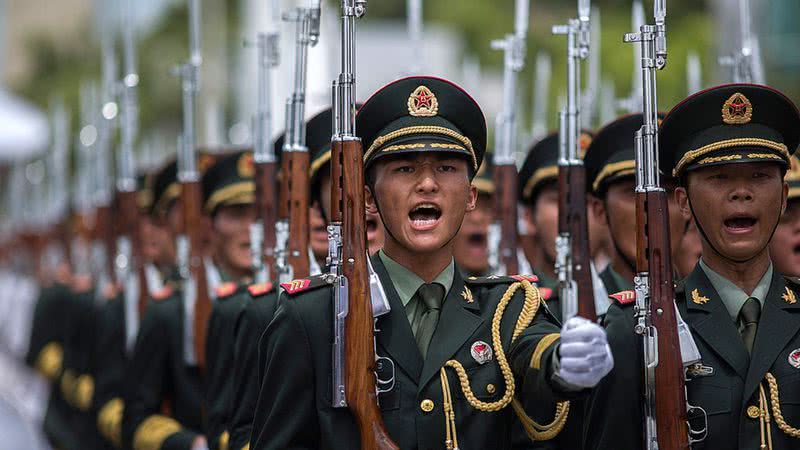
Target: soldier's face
(737, 206)
(470, 250)
(231, 236)
(319, 232)
(689, 251)
(542, 222)
(784, 248)
(375, 236)
(620, 211)
(158, 246)
(422, 199)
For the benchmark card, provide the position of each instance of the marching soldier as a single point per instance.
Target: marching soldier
(261, 299)
(610, 177)
(729, 148)
(471, 243)
(164, 402)
(784, 248)
(425, 139)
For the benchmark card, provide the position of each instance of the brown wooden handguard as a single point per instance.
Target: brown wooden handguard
(670, 399)
(336, 182)
(297, 247)
(579, 231)
(266, 188)
(191, 196)
(505, 181)
(359, 326)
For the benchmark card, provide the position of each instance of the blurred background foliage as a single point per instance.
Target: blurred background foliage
(690, 28)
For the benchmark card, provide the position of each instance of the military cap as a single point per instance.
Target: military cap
(422, 113)
(733, 123)
(541, 164)
(229, 181)
(144, 192)
(166, 189)
(611, 156)
(792, 178)
(484, 179)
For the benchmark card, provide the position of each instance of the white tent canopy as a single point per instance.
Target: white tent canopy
(24, 131)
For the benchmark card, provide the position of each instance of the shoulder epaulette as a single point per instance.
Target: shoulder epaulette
(225, 290)
(163, 293)
(546, 293)
(305, 284)
(624, 297)
(489, 280)
(531, 278)
(257, 290)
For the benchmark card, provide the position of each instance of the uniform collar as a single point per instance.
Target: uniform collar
(732, 296)
(407, 282)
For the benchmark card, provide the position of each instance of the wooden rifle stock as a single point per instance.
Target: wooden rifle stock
(191, 198)
(579, 230)
(297, 248)
(283, 193)
(360, 385)
(653, 256)
(265, 180)
(505, 181)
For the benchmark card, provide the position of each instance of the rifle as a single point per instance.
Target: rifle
(189, 243)
(573, 262)
(129, 259)
(414, 28)
(633, 102)
(354, 359)
(262, 232)
(541, 91)
(694, 74)
(665, 404)
(745, 63)
(505, 170)
(295, 152)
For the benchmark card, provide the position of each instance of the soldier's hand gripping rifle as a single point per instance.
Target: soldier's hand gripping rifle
(354, 359)
(504, 261)
(128, 261)
(189, 244)
(665, 406)
(296, 158)
(572, 244)
(262, 232)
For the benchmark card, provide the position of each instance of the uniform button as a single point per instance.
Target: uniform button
(426, 405)
(753, 412)
(490, 388)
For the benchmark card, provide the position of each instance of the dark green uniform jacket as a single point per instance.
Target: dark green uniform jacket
(729, 392)
(163, 395)
(614, 281)
(219, 361)
(294, 409)
(46, 354)
(248, 365)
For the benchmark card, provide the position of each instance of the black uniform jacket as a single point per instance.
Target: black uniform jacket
(219, 361)
(727, 391)
(163, 395)
(248, 364)
(294, 406)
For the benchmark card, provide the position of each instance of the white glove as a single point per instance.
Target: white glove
(585, 357)
(199, 443)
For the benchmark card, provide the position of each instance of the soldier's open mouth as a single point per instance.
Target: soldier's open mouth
(477, 239)
(740, 223)
(425, 215)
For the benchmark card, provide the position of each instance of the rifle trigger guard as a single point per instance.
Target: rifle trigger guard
(387, 384)
(696, 435)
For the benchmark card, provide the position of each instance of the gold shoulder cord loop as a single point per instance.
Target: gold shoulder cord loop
(776, 408)
(535, 431)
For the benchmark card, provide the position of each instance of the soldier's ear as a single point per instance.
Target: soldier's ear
(472, 199)
(785, 199)
(530, 224)
(682, 199)
(369, 201)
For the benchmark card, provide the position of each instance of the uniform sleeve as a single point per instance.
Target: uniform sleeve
(143, 427)
(285, 415)
(219, 361)
(614, 408)
(246, 385)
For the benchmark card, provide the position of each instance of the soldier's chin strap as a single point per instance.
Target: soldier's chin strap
(711, 244)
